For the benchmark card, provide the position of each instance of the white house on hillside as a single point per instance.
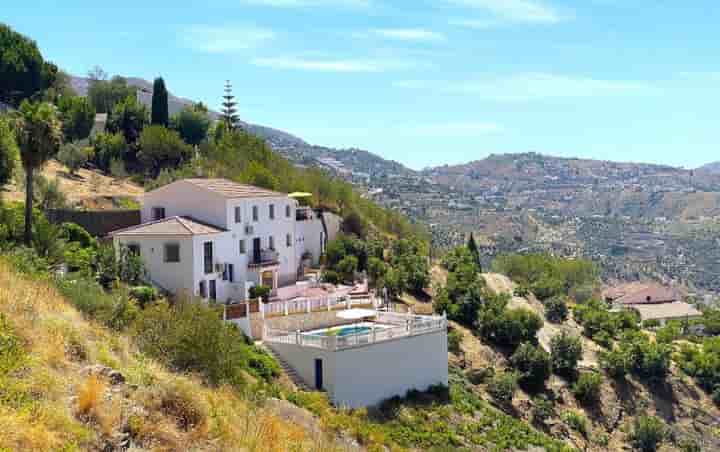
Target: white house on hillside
(215, 238)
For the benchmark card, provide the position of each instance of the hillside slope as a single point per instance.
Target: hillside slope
(87, 188)
(68, 384)
(685, 408)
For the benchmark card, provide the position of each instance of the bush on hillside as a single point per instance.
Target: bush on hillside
(566, 351)
(587, 388)
(513, 327)
(192, 337)
(502, 386)
(454, 339)
(616, 363)
(114, 309)
(556, 310)
(532, 364)
(648, 432)
(144, 295)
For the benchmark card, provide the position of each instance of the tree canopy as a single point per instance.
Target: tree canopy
(159, 114)
(23, 71)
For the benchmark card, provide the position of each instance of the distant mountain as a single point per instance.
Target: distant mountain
(343, 162)
(711, 168)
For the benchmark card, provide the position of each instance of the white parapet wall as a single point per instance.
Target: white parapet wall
(365, 374)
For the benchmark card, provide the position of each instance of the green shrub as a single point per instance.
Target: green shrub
(532, 364)
(511, 327)
(543, 409)
(347, 267)
(587, 388)
(577, 422)
(502, 386)
(331, 277)
(144, 295)
(260, 291)
(548, 287)
(556, 310)
(73, 156)
(648, 432)
(669, 333)
(616, 363)
(192, 337)
(566, 351)
(454, 339)
(651, 323)
(114, 309)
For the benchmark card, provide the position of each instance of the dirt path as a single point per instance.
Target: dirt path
(502, 284)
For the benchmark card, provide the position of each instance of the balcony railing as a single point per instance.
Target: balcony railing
(265, 257)
(395, 326)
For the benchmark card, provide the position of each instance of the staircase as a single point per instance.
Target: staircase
(286, 368)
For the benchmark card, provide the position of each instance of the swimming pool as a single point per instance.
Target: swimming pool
(345, 331)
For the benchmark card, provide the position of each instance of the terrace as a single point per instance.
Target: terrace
(379, 327)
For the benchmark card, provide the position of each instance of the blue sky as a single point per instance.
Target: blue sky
(422, 82)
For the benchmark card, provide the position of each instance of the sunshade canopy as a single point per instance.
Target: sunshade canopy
(356, 314)
(300, 194)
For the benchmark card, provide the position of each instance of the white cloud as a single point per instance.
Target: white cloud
(308, 3)
(408, 34)
(224, 39)
(526, 11)
(328, 65)
(533, 86)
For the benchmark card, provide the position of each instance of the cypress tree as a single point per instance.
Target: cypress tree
(229, 112)
(472, 246)
(160, 115)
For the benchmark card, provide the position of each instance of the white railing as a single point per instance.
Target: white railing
(300, 305)
(404, 326)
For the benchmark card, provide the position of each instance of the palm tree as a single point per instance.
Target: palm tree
(39, 135)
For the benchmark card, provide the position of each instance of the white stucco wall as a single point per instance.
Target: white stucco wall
(173, 276)
(367, 375)
(185, 199)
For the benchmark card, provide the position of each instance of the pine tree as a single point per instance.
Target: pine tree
(229, 112)
(472, 246)
(160, 114)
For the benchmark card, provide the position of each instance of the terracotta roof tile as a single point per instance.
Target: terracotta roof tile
(675, 310)
(230, 189)
(170, 226)
(641, 293)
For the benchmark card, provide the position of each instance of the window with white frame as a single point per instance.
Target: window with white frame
(288, 240)
(255, 213)
(238, 215)
(242, 247)
(271, 212)
(271, 242)
(288, 211)
(172, 252)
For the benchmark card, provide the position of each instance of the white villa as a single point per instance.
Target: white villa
(215, 239)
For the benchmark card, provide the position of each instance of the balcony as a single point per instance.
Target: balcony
(265, 258)
(303, 214)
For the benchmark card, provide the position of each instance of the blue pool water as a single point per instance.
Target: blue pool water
(347, 331)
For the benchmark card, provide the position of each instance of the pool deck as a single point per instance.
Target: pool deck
(387, 326)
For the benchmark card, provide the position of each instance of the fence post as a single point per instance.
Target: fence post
(285, 306)
(327, 300)
(348, 302)
(261, 307)
(309, 305)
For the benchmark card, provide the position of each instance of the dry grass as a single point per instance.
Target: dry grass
(90, 396)
(49, 403)
(88, 188)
